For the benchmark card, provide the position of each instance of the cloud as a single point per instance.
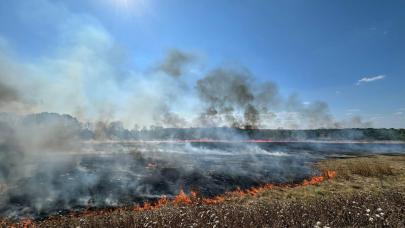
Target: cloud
(370, 79)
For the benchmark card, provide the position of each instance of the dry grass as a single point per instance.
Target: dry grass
(367, 167)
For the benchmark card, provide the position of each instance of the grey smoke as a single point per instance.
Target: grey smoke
(45, 167)
(7, 94)
(166, 118)
(233, 97)
(225, 92)
(175, 62)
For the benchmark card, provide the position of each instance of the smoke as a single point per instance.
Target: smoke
(25, 144)
(175, 62)
(7, 94)
(105, 175)
(233, 98)
(233, 94)
(356, 122)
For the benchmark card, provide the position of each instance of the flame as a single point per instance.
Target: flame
(313, 180)
(215, 200)
(193, 198)
(183, 199)
(330, 174)
(162, 201)
(194, 194)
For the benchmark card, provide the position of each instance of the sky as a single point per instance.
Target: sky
(349, 54)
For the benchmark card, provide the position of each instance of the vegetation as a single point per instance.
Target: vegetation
(116, 131)
(364, 134)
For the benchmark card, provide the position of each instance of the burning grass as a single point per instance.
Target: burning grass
(367, 191)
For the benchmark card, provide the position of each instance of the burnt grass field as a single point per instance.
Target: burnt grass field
(367, 192)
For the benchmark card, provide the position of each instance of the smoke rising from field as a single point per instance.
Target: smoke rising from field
(229, 92)
(46, 164)
(46, 169)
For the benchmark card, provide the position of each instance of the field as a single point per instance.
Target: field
(366, 191)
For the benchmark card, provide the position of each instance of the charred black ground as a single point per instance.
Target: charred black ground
(121, 174)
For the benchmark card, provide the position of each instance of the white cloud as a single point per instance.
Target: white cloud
(370, 79)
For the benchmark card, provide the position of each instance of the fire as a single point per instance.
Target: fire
(162, 201)
(183, 199)
(313, 180)
(330, 174)
(215, 200)
(194, 198)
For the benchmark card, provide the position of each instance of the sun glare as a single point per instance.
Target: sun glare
(132, 7)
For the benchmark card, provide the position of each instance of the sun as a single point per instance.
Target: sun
(133, 7)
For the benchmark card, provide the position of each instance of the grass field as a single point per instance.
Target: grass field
(366, 192)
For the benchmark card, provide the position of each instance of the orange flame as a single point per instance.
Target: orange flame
(215, 200)
(313, 180)
(330, 174)
(183, 199)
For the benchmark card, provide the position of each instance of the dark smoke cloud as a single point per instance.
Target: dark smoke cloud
(175, 62)
(235, 96)
(231, 97)
(225, 92)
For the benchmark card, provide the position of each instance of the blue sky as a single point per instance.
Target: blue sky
(318, 49)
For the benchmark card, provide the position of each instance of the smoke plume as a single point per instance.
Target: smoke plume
(175, 62)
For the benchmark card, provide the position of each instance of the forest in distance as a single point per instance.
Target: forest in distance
(70, 126)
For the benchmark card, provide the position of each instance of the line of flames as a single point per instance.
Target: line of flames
(183, 199)
(193, 198)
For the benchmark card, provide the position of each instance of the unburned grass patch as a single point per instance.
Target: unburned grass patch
(364, 166)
